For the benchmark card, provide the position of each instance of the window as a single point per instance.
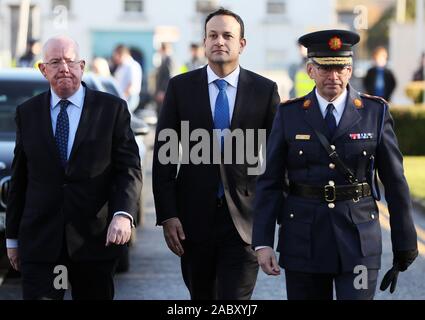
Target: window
(276, 7)
(64, 3)
(134, 6)
(206, 6)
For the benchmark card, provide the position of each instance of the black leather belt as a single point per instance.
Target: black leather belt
(331, 193)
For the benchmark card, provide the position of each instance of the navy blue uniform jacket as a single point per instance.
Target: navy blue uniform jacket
(313, 237)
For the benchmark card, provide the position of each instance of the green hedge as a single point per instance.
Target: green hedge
(410, 129)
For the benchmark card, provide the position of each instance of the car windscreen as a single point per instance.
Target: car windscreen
(13, 93)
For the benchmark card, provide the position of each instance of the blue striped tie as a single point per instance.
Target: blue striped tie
(62, 132)
(221, 118)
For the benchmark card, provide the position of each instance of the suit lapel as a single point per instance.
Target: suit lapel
(351, 116)
(243, 94)
(47, 129)
(312, 114)
(87, 121)
(202, 94)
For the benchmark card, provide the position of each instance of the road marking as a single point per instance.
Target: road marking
(385, 223)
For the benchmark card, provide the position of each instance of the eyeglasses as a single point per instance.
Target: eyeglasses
(326, 70)
(55, 64)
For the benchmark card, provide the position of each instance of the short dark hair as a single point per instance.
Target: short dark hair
(225, 12)
(122, 49)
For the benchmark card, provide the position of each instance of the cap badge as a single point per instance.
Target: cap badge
(335, 43)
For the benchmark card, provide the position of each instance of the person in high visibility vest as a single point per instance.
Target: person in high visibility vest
(303, 84)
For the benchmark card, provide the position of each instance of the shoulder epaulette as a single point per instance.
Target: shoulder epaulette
(376, 98)
(290, 101)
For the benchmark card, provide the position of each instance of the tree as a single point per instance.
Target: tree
(378, 34)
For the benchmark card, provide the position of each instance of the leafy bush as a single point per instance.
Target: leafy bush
(410, 129)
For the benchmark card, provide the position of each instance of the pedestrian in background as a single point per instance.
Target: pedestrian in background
(163, 73)
(128, 74)
(100, 66)
(380, 80)
(197, 58)
(31, 56)
(419, 75)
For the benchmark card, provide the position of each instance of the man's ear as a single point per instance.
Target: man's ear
(310, 70)
(242, 43)
(42, 68)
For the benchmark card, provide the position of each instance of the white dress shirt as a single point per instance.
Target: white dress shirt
(74, 110)
(339, 104)
(232, 80)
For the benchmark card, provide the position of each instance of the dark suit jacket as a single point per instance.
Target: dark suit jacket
(191, 193)
(389, 82)
(316, 238)
(48, 203)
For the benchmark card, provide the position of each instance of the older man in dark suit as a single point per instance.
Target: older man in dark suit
(76, 180)
(206, 209)
(330, 144)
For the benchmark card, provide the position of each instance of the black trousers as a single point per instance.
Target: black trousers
(224, 267)
(319, 286)
(88, 280)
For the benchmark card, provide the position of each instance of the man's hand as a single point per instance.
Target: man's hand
(174, 234)
(267, 261)
(119, 231)
(402, 260)
(12, 254)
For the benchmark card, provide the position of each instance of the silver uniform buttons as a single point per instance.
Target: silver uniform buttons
(331, 205)
(364, 153)
(300, 152)
(291, 216)
(333, 147)
(372, 216)
(331, 183)
(331, 166)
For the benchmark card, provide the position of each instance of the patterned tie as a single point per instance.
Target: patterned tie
(221, 118)
(330, 119)
(62, 132)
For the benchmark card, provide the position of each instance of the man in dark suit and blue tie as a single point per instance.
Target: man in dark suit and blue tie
(206, 209)
(330, 144)
(76, 181)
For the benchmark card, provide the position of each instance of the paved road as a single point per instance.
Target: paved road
(155, 271)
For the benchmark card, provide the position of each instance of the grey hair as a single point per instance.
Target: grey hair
(61, 38)
(310, 61)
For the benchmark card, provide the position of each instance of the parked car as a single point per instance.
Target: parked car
(18, 85)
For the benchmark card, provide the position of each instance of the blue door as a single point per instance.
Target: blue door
(104, 42)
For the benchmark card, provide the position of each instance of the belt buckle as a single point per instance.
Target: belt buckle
(362, 186)
(357, 198)
(327, 188)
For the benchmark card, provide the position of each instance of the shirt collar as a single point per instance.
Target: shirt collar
(77, 99)
(339, 103)
(231, 78)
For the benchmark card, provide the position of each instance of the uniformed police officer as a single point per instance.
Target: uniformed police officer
(329, 145)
